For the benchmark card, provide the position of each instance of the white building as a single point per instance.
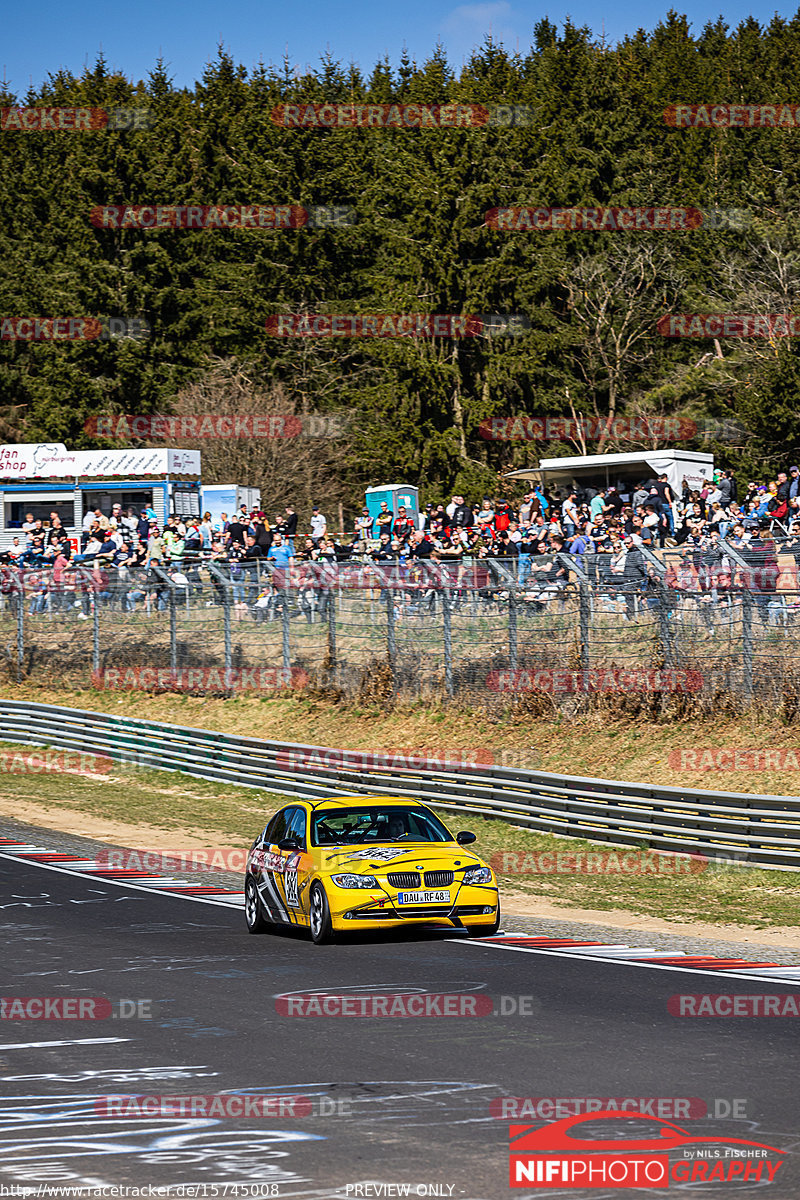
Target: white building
(45, 477)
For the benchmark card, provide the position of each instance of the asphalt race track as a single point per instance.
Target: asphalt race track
(406, 1101)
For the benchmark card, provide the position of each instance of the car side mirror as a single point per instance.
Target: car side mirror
(465, 838)
(288, 844)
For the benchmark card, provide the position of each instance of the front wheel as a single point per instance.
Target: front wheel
(478, 931)
(253, 912)
(319, 915)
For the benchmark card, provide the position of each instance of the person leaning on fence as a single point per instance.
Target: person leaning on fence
(634, 576)
(280, 557)
(550, 579)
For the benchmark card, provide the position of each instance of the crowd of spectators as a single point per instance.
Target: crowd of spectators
(127, 557)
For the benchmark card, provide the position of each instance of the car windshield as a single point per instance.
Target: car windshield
(371, 823)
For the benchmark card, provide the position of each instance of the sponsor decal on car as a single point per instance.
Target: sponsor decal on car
(379, 853)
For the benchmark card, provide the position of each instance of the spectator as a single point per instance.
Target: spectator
(384, 520)
(290, 525)
(319, 525)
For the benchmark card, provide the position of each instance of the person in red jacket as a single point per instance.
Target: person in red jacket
(503, 516)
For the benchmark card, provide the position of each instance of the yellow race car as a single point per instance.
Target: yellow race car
(362, 862)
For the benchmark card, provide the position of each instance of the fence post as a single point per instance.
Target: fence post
(512, 626)
(287, 658)
(226, 585)
(584, 602)
(332, 602)
(747, 642)
(226, 627)
(20, 632)
(391, 643)
(448, 642)
(96, 632)
(575, 566)
(667, 647)
(173, 632)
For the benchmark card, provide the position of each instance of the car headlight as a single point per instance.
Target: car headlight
(478, 875)
(355, 881)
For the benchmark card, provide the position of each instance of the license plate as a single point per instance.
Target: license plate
(423, 898)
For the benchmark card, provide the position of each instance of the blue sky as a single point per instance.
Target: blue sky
(132, 36)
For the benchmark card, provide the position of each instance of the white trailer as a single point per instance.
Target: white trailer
(623, 471)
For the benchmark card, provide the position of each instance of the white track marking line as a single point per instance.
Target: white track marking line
(627, 962)
(62, 1042)
(229, 902)
(581, 955)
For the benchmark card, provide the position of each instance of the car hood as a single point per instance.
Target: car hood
(388, 856)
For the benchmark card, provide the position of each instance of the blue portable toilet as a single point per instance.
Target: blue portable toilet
(394, 494)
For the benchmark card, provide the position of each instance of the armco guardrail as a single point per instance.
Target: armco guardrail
(763, 830)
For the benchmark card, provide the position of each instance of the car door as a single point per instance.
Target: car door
(297, 869)
(268, 865)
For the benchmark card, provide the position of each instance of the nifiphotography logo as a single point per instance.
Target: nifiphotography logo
(563, 1155)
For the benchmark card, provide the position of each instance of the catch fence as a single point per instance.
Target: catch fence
(553, 630)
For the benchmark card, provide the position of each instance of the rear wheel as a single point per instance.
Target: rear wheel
(319, 915)
(253, 911)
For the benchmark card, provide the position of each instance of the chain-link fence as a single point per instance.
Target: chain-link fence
(698, 627)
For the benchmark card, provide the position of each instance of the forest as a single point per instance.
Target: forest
(565, 315)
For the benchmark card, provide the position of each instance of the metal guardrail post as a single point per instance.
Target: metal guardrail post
(448, 641)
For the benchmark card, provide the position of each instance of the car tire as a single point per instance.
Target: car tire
(253, 910)
(478, 931)
(319, 915)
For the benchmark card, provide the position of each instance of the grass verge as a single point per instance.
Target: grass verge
(155, 809)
